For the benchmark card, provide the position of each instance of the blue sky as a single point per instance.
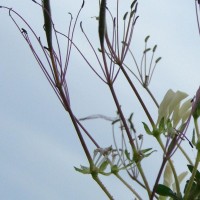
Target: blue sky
(38, 145)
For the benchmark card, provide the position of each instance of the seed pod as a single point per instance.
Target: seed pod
(102, 21)
(47, 22)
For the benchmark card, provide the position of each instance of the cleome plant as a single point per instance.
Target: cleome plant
(114, 57)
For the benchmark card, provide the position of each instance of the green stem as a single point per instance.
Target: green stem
(186, 155)
(128, 186)
(144, 179)
(187, 192)
(157, 179)
(130, 138)
(197, 128)
(96, 178)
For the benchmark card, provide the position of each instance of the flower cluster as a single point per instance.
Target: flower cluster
(171, 108)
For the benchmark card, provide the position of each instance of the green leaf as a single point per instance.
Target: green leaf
(190, 167)
(83, 170)
(131, 123)
(146, 150)
(130, 118)
(146, 128)
(165, 191)
(197, 175)
(192, 190)
(148, 154)
(169, 124)
(103, 166)
(127, 154)
(162, 125)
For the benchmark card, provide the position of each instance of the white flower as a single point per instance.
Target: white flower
(171, 108)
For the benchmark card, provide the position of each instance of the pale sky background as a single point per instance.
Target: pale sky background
(38, 144)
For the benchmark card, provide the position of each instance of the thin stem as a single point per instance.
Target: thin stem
(161, 170)
(187, 192)
(123, 119)
(80, 137)
(144, 178)
(138, 96)
(197, 128)
(172, 167)
(87, 133)
(128, 186)
(140, 74)
(130, 138)
(158, 178)
(198, 24)
(76, 126)
(96, 178)
(152, 96)
(185, 154)
(55, 70)
(94, 175)
(76, 47)
(117, 30)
